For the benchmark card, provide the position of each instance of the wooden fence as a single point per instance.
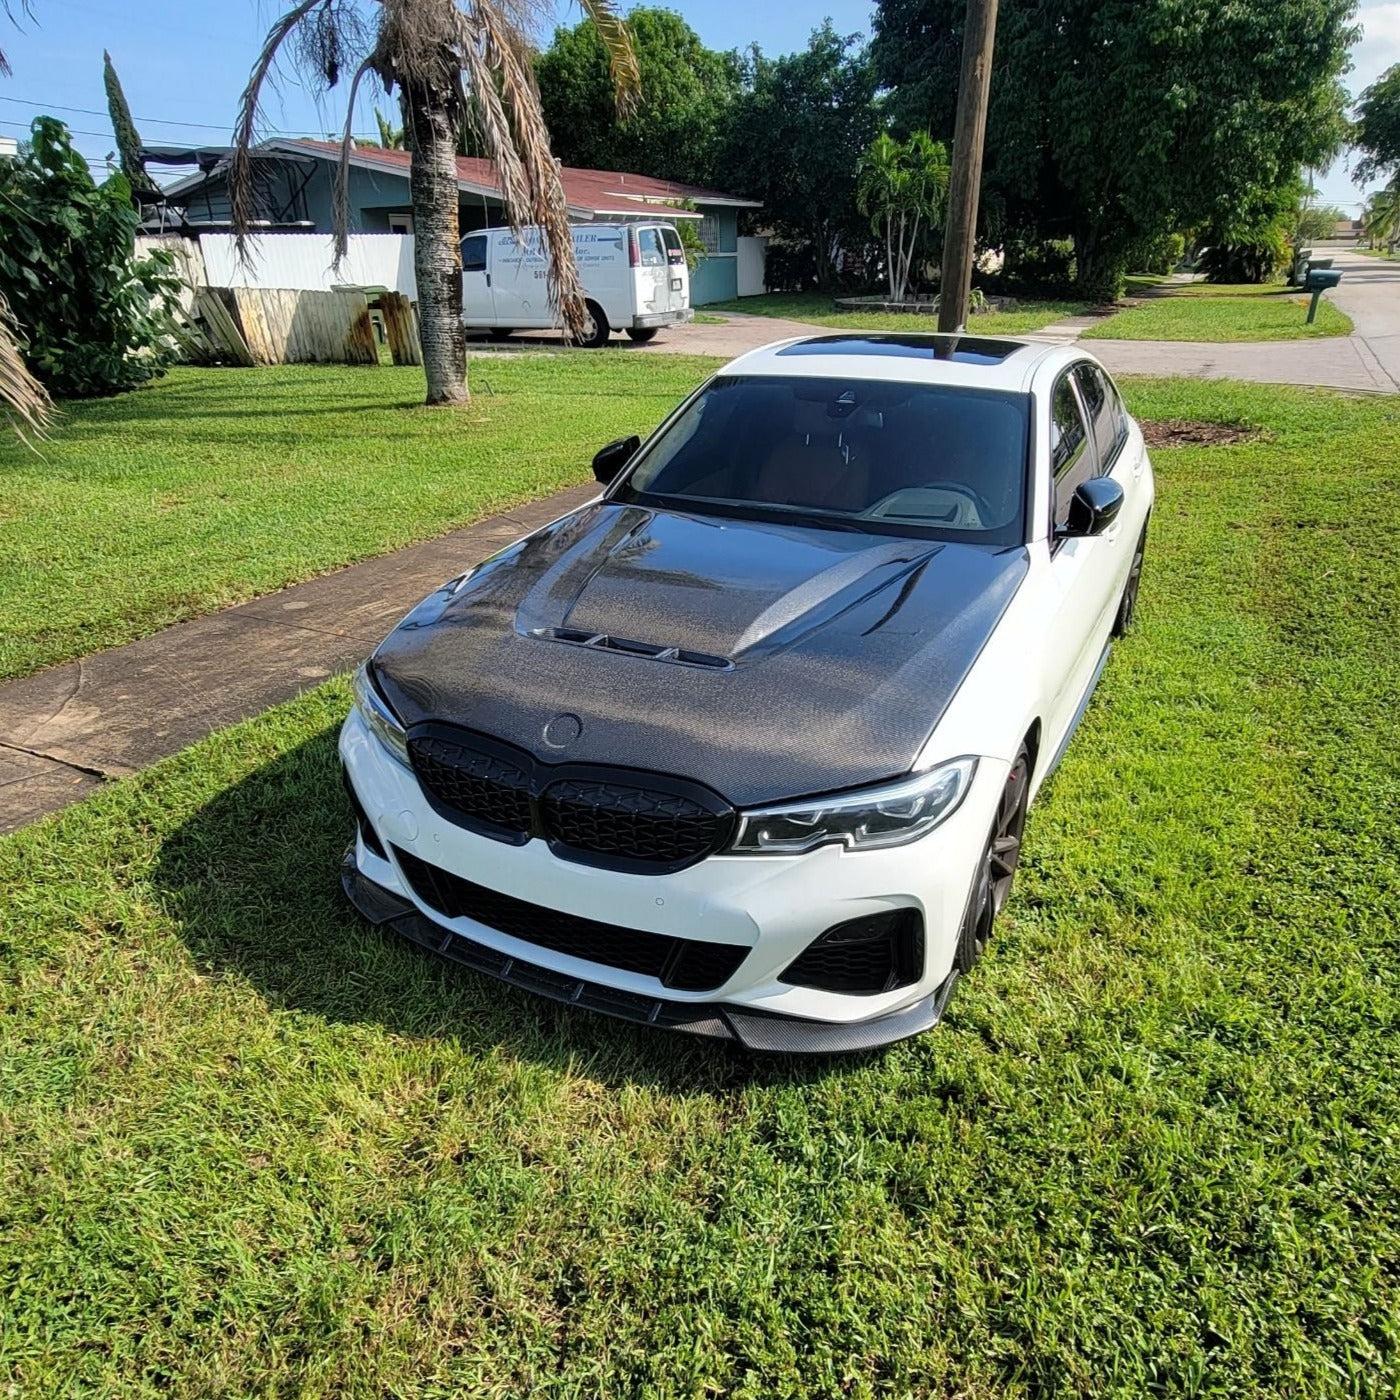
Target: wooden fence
(298, 324)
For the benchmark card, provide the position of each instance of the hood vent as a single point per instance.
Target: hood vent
(602, 641)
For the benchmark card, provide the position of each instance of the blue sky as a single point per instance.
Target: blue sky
(184, 62)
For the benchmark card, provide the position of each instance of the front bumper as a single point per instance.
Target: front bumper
(773, 906)
(754, 1030)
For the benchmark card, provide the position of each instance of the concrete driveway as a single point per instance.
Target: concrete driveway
(738, 334)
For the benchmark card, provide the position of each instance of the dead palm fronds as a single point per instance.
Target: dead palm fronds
(24, 402)
(451, 62)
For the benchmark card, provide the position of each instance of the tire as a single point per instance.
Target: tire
(1127, 604)
(641, 334)
(996, 869)
(502, 332)
(595, 327)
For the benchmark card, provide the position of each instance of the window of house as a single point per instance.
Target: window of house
(400, 223)
(709, 233)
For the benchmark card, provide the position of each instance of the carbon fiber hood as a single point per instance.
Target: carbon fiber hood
(765, 661)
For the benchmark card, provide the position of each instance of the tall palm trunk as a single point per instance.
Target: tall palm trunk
(431, 130)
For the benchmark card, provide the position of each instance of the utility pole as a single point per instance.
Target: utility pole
(965, 183)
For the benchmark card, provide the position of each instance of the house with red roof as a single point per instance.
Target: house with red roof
(293, 180)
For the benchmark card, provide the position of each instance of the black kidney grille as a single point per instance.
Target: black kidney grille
(682, 963)
(481, 786)
(605, 818)
(595, 815)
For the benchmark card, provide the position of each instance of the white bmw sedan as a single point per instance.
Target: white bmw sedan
(744, 747)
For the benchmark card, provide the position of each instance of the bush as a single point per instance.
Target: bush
(1159, 255)
(95, 319)
(1244, 262)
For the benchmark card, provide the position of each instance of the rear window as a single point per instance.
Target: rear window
(675, 253)
(653, 254)
(889, 458)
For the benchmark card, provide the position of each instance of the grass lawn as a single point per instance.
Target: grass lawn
(1200, 311)
(215, 485)
(818, 308)
(250, 1146)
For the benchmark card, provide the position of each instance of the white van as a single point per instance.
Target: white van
(634, 279)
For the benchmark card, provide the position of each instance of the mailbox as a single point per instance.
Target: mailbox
(1320, 279)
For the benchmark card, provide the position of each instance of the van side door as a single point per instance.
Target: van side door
(477, 299)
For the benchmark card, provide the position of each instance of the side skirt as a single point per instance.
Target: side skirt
(1079, 712)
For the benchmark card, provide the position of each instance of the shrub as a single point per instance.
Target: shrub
(1159, 255)
(95, 318)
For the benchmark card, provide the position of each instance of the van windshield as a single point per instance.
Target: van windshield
(930, 460)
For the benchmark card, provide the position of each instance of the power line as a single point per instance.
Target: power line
(154, 121)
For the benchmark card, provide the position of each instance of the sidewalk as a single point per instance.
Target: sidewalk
(63, 730)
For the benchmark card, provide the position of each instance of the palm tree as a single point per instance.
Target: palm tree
(1382, 217)
(450, 61)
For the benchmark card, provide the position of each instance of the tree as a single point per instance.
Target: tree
(1114, 121)
(450, 61)
(1376, 133)
(96, 318)
(903, 189)
(133, 163)
(1382, 217)
(800, 128)
(677, 129)
(390, 136)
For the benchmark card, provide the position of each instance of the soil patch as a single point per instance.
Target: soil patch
(1187, 432)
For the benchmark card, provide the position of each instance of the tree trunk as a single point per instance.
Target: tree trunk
(431, 128)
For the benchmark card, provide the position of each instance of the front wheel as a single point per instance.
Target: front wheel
(996, 868)
(595, 330)
(641, 334)
(1127, 604)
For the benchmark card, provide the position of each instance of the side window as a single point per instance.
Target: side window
(649, 244)
(474, 253)
(1105, 408)
(1070, 458)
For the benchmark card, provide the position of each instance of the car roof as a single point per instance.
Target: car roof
(920, 357)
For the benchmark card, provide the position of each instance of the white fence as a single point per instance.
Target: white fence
(303, 262)
(753, 253)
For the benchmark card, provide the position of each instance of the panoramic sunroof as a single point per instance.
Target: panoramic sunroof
(959, 349)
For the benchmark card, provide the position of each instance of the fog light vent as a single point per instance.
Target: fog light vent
(863, 957)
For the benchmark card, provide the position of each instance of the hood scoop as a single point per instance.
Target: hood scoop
(603, 641)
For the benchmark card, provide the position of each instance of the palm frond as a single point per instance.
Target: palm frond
(340, 193)
(240, 172)
(622, 56)
(512, 127)
(24, 402)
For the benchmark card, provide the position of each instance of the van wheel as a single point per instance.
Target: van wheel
(595, 330)
(641, 334)
(502, 332)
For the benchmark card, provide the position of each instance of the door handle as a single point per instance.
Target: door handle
(488, 279)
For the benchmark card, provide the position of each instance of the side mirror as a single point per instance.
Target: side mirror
(1093, 507)
(610, 460)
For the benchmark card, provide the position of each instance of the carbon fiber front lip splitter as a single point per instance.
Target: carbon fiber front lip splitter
(754, 1030)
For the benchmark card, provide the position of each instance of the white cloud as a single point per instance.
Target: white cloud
(1380, 43)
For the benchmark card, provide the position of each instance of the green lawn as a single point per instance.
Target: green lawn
(250, 1147)
(821, 310)
(1199, 311)
(215, 485)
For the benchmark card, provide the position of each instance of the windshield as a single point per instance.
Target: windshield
(890, 458)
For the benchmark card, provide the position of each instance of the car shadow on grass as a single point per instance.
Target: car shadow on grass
(252, 882)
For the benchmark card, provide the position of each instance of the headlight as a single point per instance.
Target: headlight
(382, 721)
(889, 815)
